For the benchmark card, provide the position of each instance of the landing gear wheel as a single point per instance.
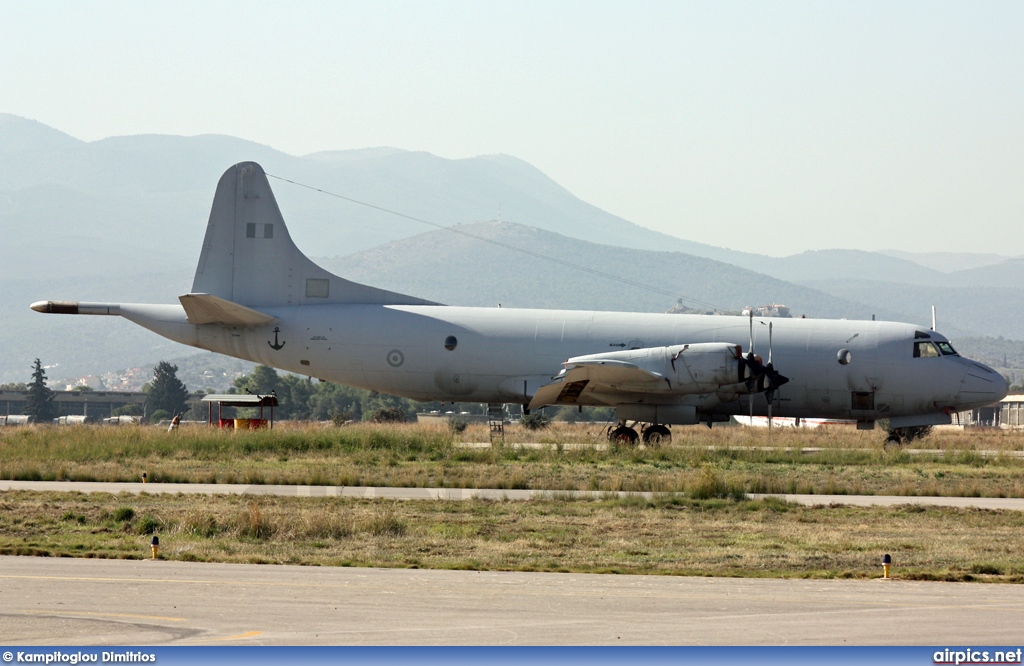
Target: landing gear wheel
(657, 434)
(623, 435)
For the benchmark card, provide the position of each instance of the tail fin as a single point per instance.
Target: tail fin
(248, 257)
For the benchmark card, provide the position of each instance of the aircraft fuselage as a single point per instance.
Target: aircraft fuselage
(502, 355)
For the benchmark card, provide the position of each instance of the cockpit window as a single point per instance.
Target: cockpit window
(926, 350)
(946, 349)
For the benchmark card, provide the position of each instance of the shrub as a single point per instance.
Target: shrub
(711, 485)
(385, 523)
(147, 525)
(536, 421)
(908, 434)
(388, 415)
(254, 524)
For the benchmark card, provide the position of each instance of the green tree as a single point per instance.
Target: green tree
(264, 380)
(132, 409)
(297, 393)
(166, 392)
(40, 404)
(383, 407)
(335, 401)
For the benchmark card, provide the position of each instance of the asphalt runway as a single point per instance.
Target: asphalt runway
(1015, 504)
(105, 602)
(147, 602)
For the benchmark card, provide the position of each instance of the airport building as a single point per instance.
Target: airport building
(96, 405)
(1008, 414)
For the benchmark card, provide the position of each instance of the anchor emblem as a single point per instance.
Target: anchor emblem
(277, 345)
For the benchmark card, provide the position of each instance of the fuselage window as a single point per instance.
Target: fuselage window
(946, 349)
(925, 350)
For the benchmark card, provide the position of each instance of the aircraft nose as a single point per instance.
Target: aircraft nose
(981, 385)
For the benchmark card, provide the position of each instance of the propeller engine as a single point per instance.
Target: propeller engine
(760, 377)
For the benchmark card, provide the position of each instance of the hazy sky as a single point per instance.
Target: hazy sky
(771, 127)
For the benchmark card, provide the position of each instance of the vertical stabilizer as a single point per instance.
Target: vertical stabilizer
(249, 258)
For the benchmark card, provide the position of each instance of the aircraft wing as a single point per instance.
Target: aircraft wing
(605, 375)
(659, 374)
(209, 309)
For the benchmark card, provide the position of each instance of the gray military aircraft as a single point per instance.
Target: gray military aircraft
(256, 296)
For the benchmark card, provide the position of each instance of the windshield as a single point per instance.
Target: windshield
(926, 350)
(946, 349)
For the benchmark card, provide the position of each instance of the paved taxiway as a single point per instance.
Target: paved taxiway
(1016, 504)
(90, 602)
(79, 601)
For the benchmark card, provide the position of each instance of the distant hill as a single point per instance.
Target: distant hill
(996, 311)
(456, 269)
(152, 194)
(948, 262)
(82, 345)
(848, 264)
(1008, 273)
(149, 196)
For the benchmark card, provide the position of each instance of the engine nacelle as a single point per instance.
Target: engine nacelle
(704, 367)
(677, 369)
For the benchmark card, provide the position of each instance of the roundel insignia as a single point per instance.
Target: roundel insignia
(395, 358)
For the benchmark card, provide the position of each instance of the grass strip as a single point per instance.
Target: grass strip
(822, 461)
(664, 535)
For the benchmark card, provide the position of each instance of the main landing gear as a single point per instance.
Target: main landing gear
(653, 434)
(656, 434)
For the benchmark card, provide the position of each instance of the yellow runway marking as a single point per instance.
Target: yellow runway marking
(239, 637)
(92, 614)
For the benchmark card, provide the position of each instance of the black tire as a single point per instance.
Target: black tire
(657, 434)
(623, 435)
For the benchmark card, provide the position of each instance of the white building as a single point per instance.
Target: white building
(1008, 413)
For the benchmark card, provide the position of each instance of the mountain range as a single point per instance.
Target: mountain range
(122, 218)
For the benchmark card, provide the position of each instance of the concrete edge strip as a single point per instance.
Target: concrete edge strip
(516, 494)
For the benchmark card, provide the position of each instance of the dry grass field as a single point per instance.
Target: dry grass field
(837, 460)
(666, 535)
(699, 523)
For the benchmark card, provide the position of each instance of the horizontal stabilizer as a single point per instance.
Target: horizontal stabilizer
(209, 309)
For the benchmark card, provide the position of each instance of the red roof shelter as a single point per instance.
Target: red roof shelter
(236, 400)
